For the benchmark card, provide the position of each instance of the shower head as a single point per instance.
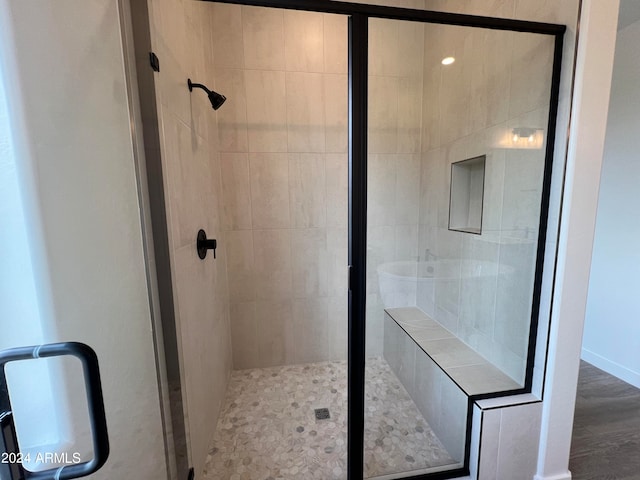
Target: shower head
(215, 98)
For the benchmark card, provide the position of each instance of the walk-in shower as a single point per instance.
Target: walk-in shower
(380, 138)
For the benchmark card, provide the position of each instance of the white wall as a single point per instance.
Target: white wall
(40, 425)
(612, 331)
(594, 63)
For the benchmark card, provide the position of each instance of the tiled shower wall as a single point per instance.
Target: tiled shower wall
(500, 80)
(395, 119)
(181, 37)
(283, 144)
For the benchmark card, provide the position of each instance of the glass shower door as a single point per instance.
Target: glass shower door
(401, 432)
(457, 128)
(72, 267)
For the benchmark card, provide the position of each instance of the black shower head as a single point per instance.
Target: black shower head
(215, 98)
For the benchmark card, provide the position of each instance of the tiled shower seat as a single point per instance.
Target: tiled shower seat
(440, 373)
(469, 370)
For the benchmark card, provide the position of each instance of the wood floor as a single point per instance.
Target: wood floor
(606, 429)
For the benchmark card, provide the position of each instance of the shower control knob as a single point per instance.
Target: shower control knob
(203, 244)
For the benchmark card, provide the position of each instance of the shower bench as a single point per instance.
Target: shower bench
(440, 372)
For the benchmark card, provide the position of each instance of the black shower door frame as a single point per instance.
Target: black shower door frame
(358, 46)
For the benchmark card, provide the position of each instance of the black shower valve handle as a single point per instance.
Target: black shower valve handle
(203, 244)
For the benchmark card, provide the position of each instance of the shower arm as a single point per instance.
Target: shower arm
(197, 85)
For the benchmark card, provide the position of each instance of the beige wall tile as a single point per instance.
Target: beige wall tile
(244, 335)
(336, 95)
(236, 190)
(381, 182)
(455, 98)
(173, 94)
(228, 47)
(491, 78)
(174, 30)
(544, 10)
(383, 114)
(188, 179)
(531, 66)
(381, 248)
(196, 314)
(303, 41)
(307, 190)
(410, 48)
(417, 4)
(215, 212)
(219, 278)
(335, 43)
(383, 46)
(309, 262)
(232, 117)
(266, 111)
(493, 192)
(491, 8)
(269, 190)
(220, 370)
(521, 193)
(407, 189)
(338, 325)
(311, 330)
(195, 21)
(337, 180)
(276, 344)
(263, 36)
(432, 175)
(272, 274)
(452, 420)
(406, 245)
(409, 114)
(375, 331)
(337, 261)
(305, 112)
(431, 108)
(241, 265)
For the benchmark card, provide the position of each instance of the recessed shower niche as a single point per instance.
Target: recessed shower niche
(466, 195)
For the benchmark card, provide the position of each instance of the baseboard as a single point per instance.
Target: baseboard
(562, 476)
(615, 369)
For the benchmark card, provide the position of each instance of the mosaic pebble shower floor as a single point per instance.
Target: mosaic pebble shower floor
(268, 429)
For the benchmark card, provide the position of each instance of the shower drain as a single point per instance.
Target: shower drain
(322, 413)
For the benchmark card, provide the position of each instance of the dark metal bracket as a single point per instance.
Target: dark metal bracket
(154, 61)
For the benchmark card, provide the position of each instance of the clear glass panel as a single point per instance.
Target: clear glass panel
(449, 291)
(284, 167)
(72, 263)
